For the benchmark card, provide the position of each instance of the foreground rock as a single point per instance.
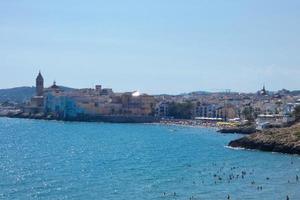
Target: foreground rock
(283, 140)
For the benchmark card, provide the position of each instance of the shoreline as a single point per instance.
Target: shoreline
(127, 119)
(281, 140)
(261, 141)
(258, 150)
(185, 126)
(88, 118)
(220, 126)
(189, 123)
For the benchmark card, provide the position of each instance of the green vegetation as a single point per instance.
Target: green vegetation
(297, 113)
(297, 134)
(248, 113)
(181, 110)
(19, 94)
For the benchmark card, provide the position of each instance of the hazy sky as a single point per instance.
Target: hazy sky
(155, 46)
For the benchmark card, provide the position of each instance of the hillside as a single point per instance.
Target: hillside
(20, 94)
(284, 140)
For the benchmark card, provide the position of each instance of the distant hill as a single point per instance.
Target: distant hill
(20, 94)
(199, 93)
(295, 92)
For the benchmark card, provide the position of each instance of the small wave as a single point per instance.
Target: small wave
(235, 148)
(261, 151)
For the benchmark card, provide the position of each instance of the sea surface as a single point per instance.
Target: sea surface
(71, 160)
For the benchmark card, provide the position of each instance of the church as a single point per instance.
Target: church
(36, 104)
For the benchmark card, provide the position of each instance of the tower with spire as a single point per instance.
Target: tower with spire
(264, 91)
(36, 104)
(39, 85)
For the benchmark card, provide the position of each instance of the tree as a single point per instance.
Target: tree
(181, 110)
(297, 113)
(248, 113)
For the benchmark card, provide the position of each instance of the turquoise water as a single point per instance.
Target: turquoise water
(57, 160)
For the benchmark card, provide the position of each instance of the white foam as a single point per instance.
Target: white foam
(235, 148)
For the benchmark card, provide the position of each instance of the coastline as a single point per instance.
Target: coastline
(221, 127)
(125, 119)
(282, 140)
(89, 118)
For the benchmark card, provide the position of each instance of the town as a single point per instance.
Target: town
(263, 109)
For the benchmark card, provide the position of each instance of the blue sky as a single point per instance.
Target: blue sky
(155, 46)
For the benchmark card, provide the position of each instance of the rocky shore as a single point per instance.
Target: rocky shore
(283, 140)
(238, 129)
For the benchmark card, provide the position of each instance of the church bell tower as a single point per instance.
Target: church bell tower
(39, 85)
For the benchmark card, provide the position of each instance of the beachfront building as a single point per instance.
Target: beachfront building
(87, 103)
(96, 102)
(9, 108)
(277, 120)
(60, 105)
(162, 109)
(209, 110)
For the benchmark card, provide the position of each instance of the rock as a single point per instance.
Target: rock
(240, 130)
(283, 140)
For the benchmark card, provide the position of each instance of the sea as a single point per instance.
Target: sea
(77, 160)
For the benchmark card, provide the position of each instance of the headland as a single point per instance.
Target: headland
(283, 140)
